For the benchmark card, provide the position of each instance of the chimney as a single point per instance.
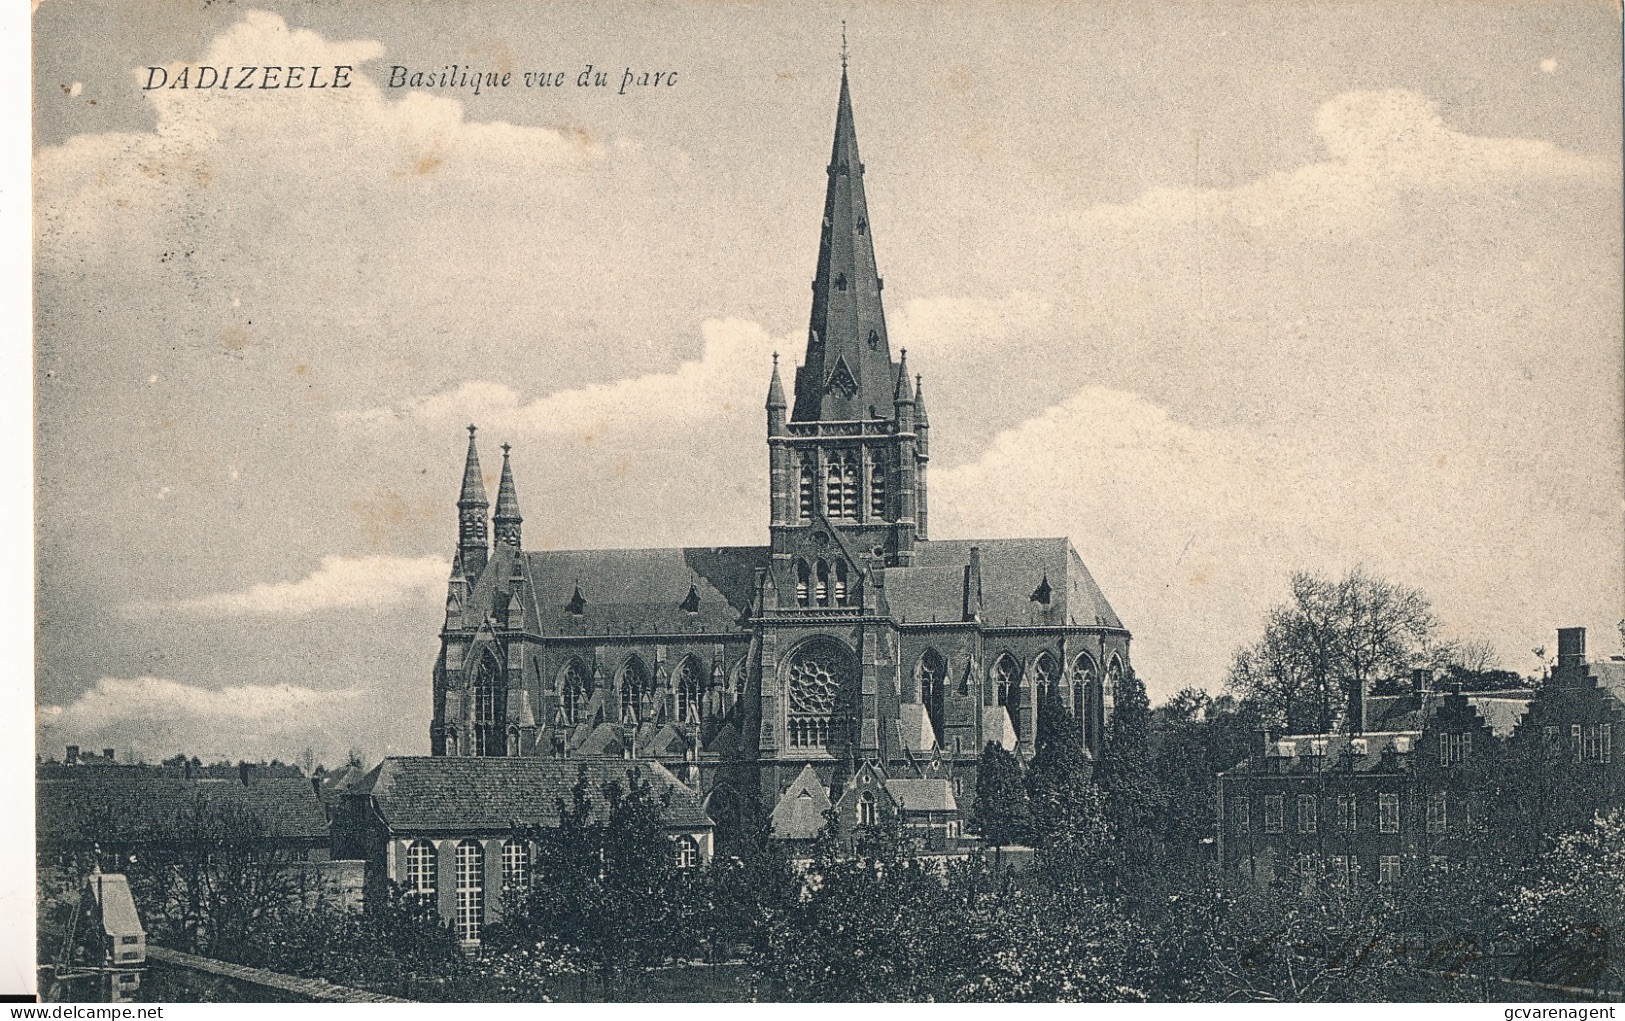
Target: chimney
(71, 755)
(107, 753)
(1571, 646)
(242, 772)
(1421, 681)
(1356, 719)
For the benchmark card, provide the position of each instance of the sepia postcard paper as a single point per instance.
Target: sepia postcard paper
(1104, 501)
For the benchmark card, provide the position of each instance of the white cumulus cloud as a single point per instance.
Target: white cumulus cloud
(340, 583)
(719, 384)
(155, 717)
(1380, 142)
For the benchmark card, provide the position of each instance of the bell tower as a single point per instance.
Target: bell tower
(847, 458)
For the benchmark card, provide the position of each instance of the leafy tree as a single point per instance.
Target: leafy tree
(607, 887)
(1000, 814)
(1331, 638)
(1134, 799)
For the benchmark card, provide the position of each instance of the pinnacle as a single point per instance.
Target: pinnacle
(473, 494)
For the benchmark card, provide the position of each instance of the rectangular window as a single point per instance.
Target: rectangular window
(1273, 811)
(1346, 813)
(1574, 740)
(1454, 749)
(1340, 872)
(1388, 870)
(1388, 813)
(1242, 809)
(1436, 812)
(1306, 813)
(1596, 742)
(1548, 736)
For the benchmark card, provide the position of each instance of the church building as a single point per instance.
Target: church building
(850, 650)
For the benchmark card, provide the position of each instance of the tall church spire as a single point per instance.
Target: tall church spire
(848, 372)
(471, 507)
(507, 518)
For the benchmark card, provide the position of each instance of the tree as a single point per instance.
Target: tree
(1000, 814)
(1133, 799)
(1331, 639)
(1065, 805)
(607, 887)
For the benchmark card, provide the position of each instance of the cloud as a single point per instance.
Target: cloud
(727, 380)
(1381, 144)
(340, 583)
(154, 717)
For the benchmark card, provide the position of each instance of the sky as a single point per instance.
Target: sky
(1221, 291)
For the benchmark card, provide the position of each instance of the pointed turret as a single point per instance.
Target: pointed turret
(776, 404)
(507, 518)
(471, 508)
(904, 393)
(848, 371)
(921, 421)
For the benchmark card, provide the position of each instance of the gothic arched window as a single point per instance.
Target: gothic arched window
(1007, 687)
(421, 866)
(487, 692)
(575, 688)
(932, 674)
(803, 583)
(1083, 680)
(840, 583)
(819, 673)
(634, 684)
(840, 282)
(877, 490)
(470, 890)
(690, 691)
(1114, 678)
(841, 484)
(1046, 676)
(866, 809)
(821, 586)
(809, 480)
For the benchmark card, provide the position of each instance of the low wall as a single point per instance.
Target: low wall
(174, 977)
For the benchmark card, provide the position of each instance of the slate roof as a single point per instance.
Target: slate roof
(445, 794)
(626, 590)
(1610, 675)
(996, 727)
(136, 804)
(914, 795)
(1337, 747)
(1501, 710)
(914, 728)
(799, 815)
(1012, 571)
(1502, 714)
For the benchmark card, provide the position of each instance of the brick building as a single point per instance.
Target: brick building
(1427, 776)
(445, 829)
(851, 640)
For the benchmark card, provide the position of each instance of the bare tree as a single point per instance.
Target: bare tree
(1332, 638)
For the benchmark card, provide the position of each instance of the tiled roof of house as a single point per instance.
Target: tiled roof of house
(432, 794)
(914, 795)
(136, 803)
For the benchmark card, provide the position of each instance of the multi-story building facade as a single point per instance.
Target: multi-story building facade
(850, 639)
(1426, 777)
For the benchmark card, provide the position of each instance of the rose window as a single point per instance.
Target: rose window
(818, 673)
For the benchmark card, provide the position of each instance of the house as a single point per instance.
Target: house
(447, 829)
